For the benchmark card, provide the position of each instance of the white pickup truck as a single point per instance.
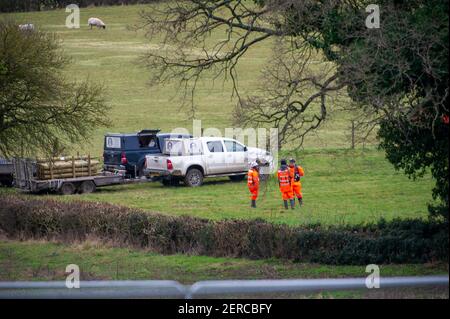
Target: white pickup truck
(193, 159)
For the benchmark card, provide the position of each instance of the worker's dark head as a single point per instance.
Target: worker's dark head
(291, 162)
(283, 162)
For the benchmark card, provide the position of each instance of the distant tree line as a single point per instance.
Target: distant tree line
(39, 5)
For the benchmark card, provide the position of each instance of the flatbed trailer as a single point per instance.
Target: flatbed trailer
(25, 179)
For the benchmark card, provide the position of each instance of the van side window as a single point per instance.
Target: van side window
(232, 146)
(215, 146)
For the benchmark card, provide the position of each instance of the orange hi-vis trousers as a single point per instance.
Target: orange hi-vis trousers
(297, 189)
(254, 193)
(287, 194)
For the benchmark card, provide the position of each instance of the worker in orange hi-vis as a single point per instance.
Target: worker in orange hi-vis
(284, 181)
(297, 173)
(253, 183)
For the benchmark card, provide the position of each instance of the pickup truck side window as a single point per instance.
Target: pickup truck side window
(232, 146)
(215, 146)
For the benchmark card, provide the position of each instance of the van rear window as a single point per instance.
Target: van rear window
(112, 142)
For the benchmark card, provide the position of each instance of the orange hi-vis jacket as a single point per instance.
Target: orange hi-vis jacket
(253, 183)
(284, 180)
(296, 173)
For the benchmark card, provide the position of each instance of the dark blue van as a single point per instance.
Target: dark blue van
(126, 152)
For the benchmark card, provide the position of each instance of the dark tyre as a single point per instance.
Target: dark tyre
(7, 181)
(170, 182)
(193, 178)
(67, 189)
(87, 187)
(237, 178)
(140, 172)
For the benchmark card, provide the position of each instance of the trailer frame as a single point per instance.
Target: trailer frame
(25, 179)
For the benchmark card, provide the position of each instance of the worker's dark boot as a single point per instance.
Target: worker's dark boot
(253, 205)
(300, 201)
(292, 203)
(285, 204)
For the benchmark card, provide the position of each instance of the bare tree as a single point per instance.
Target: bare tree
(295, 95)
(373, 65)
(292, 86)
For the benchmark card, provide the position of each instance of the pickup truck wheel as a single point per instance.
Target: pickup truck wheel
(67, 189)
(237, 178)
(193, 178)
(87, 187)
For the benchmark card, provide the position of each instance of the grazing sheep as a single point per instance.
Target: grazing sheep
(96, 22)
(26, 27)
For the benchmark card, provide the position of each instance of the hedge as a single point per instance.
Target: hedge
(399, 241)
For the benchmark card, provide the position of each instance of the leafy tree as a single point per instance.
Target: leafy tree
(399, 73)
(396, 76)
(40, 110)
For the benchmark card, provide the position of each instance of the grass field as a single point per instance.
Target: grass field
(341, 186)
(33, 260)
(112, 57)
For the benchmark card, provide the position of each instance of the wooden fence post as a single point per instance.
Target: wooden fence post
(73, 166)
(89, 164)
(353, 134)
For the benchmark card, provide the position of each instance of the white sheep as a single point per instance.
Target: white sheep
(26, 27)
(96, 22)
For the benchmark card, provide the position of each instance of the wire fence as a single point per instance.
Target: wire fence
(174, 289)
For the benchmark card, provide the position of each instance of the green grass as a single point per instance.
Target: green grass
(112, 57)
(340, 187)
(33, 260)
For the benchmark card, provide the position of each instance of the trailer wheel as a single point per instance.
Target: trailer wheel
(67, 189)
(87, 187)
(193, 178)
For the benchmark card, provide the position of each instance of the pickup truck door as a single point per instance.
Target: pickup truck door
(215, 157)
(236, 156)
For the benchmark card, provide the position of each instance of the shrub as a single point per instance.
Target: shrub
(399, 241)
